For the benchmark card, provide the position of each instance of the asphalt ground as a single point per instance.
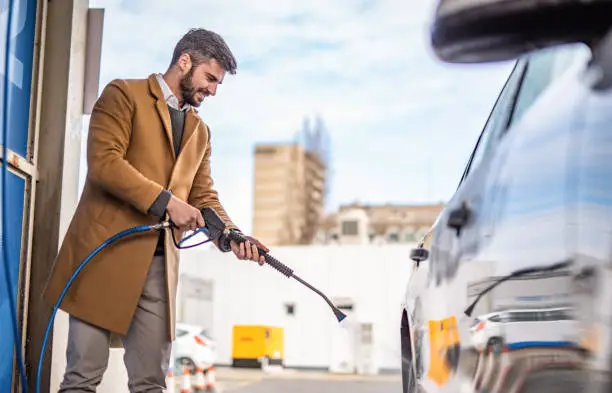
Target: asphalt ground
(277, 381)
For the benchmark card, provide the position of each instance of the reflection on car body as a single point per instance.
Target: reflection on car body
(515, 329)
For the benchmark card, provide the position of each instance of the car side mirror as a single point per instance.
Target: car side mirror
(419, 255)
(474, 31)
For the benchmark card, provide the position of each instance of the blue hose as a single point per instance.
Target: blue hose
(5, 253)
(181, 243)
(112, 239)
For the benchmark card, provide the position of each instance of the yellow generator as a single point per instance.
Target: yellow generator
(253, 344)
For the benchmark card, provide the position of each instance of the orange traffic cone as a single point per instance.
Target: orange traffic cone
(200, 382)
(210, 379)
(170, 382)
(186, 388)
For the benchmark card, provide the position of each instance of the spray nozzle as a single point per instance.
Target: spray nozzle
(217, 231)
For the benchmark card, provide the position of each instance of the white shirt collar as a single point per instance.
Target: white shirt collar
(169, 96)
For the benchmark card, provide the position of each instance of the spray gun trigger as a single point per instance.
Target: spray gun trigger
(214, 223)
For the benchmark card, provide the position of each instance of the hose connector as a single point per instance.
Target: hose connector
(160, 226)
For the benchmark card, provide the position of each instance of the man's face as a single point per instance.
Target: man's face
(201, 81)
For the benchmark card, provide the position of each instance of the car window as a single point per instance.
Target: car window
(498, 118)
(543, 67)
(495, 318)
(529, 78)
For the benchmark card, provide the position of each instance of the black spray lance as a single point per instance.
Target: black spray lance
(217, 229)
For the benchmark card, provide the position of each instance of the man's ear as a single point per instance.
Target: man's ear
(184, 63)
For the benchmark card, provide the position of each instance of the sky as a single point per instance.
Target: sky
(402, 124)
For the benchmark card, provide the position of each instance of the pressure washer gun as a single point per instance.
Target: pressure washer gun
(217, 231)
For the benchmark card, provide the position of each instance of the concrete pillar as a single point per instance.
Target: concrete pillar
(72, 14)
(57, 159)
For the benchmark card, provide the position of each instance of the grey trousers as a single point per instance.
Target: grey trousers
(147, 346)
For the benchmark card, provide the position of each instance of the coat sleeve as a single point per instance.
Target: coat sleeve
(110, 130)
(202, 192)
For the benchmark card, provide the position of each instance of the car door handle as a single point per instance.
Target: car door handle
(459, 217)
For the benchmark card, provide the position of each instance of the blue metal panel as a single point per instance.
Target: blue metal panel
(20, 71)
(15, 195)
(20, 81)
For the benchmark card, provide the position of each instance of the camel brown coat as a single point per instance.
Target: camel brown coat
(130, 159)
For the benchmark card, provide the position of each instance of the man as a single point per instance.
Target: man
(148, 159)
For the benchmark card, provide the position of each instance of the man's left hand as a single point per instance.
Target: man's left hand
(248, 250)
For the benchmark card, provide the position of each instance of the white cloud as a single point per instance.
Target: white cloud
(402, 124)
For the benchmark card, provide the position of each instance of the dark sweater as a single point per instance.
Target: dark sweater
(178, 124)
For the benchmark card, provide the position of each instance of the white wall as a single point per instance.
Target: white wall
(245, 293)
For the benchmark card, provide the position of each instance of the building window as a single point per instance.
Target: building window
(345, 307)
(350, 228)
(393, 238)
(290, 309)
(265, 150)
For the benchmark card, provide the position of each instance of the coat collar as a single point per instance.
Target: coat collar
(192, 120)
(156, 91)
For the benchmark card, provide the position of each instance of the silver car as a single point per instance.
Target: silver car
(530, 224)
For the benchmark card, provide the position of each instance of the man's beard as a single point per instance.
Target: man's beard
(188, 92)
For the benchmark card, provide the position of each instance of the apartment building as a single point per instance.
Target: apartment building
(377, 224)
(289, 193)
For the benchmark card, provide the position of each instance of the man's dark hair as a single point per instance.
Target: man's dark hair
(203, 45)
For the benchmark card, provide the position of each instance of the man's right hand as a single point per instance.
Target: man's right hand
(183, 215)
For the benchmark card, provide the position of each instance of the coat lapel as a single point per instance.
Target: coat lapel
(192, 122)
(162, 110)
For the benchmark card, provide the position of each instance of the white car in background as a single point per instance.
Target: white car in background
(524, 328)
(192, 348)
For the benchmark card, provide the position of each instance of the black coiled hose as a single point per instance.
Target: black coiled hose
(287, 271)
(217, 230)
(270, 260)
